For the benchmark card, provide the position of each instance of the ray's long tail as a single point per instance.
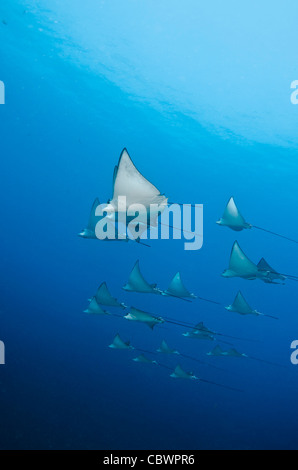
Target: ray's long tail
(275, 234)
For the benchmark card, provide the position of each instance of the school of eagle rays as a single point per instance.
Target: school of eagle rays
(129, 182)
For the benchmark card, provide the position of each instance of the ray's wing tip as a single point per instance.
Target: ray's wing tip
(124, 150)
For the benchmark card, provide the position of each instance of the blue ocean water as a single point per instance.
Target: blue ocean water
(202, 102)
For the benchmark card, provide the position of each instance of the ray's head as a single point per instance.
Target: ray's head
(83, 234)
